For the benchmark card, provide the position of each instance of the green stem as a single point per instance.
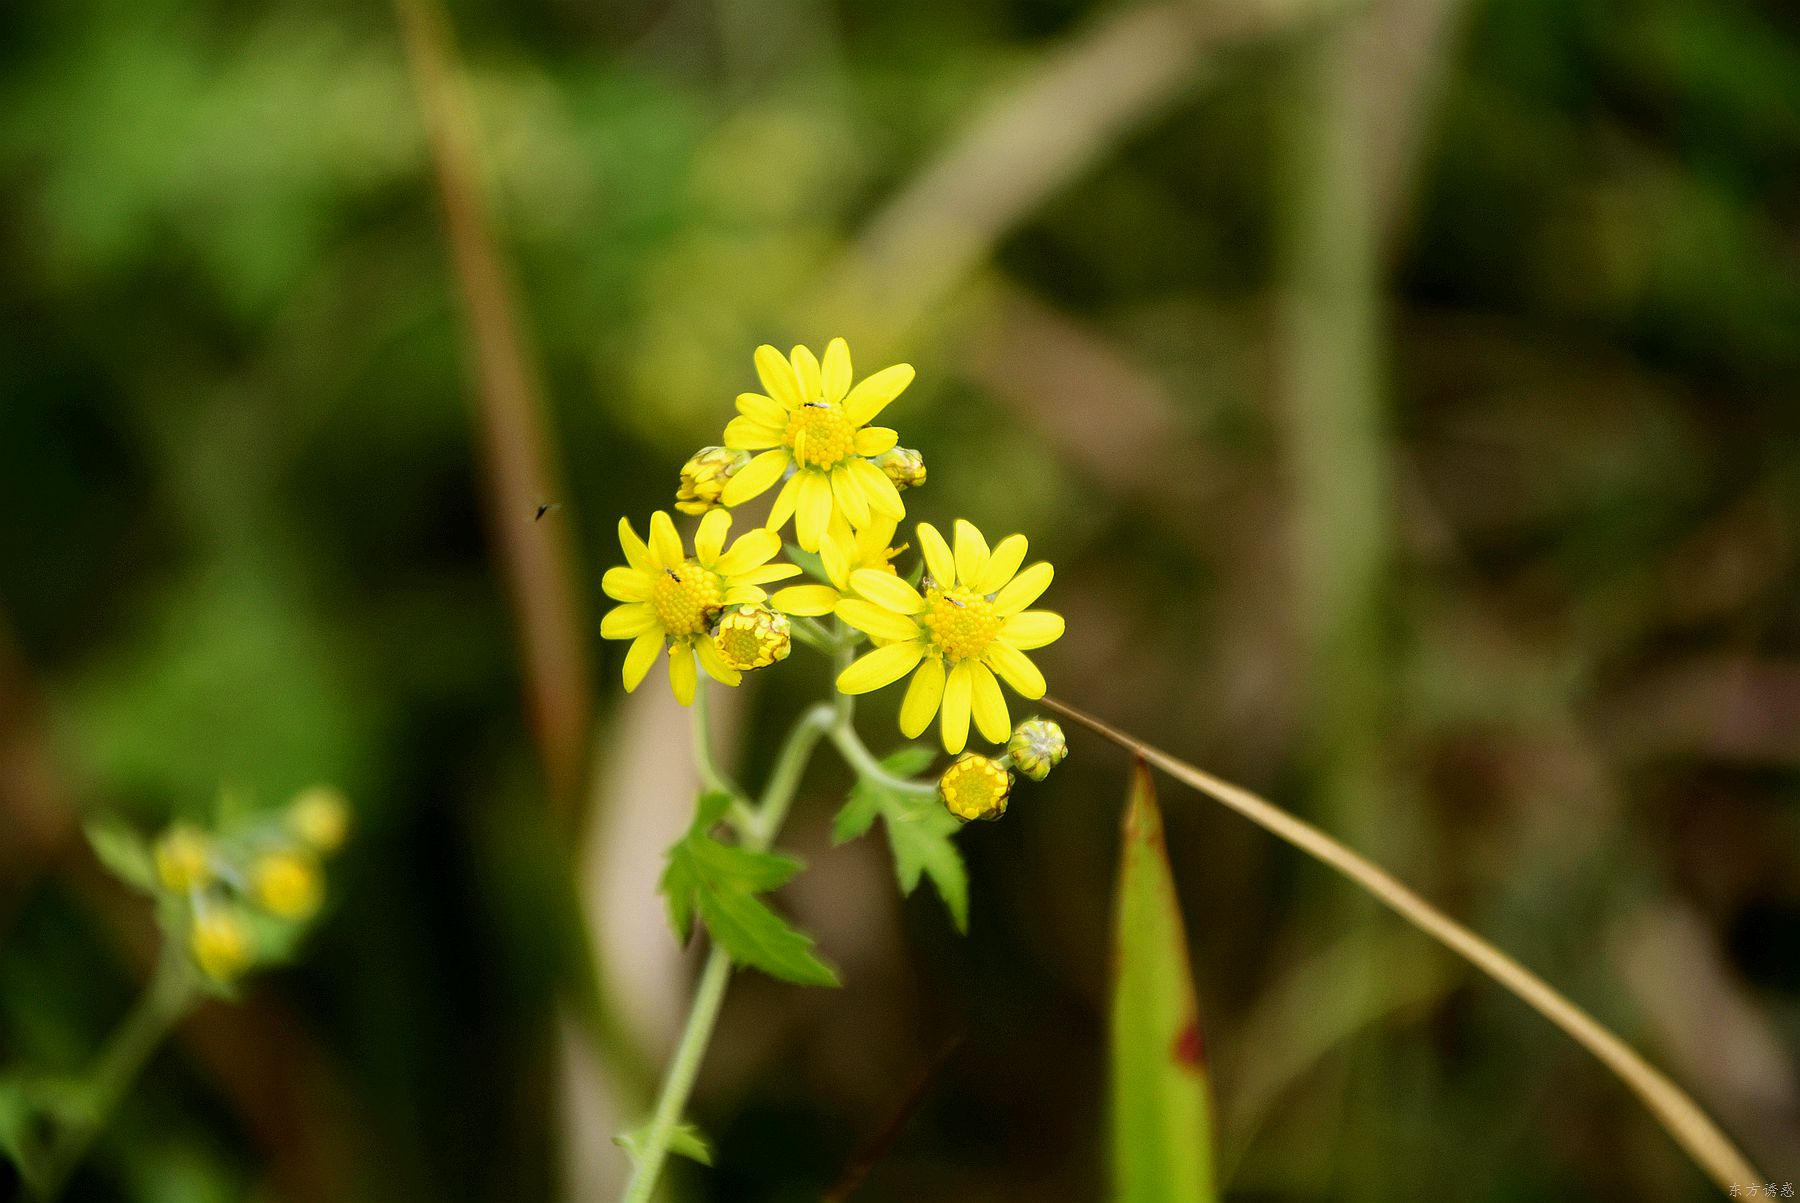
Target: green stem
(710, 774)
(857, 754)
(165, 1000)
(757, 828)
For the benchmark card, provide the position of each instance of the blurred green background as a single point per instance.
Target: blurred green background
(1407, 393)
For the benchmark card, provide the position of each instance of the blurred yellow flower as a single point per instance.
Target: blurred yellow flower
(673, 599)
(181, 859)
(321, 816)
(965, 623)
(219, 943)
(813, 421)
(287, 885)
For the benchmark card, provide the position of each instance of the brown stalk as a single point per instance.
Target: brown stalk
(1678, 1113)
(515, 426)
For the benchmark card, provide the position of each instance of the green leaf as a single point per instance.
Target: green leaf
(1161, 1109)
(719, 883)
(123, 851)
(755, 935)
(685, 1140)
(921, 833)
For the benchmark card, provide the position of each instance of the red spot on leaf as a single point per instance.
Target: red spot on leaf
(1189, 1049)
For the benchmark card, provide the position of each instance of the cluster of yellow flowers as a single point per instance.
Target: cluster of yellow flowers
(961, 629)
(269, 868)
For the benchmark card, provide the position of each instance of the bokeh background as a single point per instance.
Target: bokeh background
(1404, 390)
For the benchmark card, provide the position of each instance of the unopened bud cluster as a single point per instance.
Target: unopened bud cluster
(978, 787)
(238, 884)
(753, 636)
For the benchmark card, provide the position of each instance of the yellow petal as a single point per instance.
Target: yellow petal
(636, 553)
(883, 666)
(987, 704)
(777, 376)
(874, 620)
(665, 544)
(681, 673)
(873, 440)
(971, 553)
(938, 560)
(834, 373)
(751, 434)
(922, 698)
(783, 509)
(1032, 628)
(708, 654)
(956, 706)
(762, 409)
(836, 551)
(752, 549)
(808, 600)
(628, 621)
(873, 394)
(849, 496)
(1023, 589)
(740, 595)
(806, 372)
(883, 497)
(887, 590)
(642, 655)
(626, 584)
(767, 574)
(709, 540)
(755, 477)
(814, 508)
(1016, 667)
(1002, 563)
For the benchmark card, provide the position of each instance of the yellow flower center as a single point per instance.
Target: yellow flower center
(753, 637)
(961, 623)
(686, 598)
(975, 787)
(821, 435)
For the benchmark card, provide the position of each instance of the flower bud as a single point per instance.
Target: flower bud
(703, 478)
(753, 636)
(287, 885)
(321, 817)
(975, 787)
(181, 860)
(220, 943)
(1037, 746)
(902, 465)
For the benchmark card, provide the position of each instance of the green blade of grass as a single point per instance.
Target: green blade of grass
(1161, 1102)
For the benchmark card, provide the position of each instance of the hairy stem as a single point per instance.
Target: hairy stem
(1678, 1113)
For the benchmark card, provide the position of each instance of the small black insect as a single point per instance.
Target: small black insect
(545, 508)
(673, 575)
(817, 404)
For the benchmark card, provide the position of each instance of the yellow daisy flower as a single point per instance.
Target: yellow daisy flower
(813, 421)
(672, 599)
(968, 623)
(843, 551)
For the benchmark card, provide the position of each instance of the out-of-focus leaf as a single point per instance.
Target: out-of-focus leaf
(921, 833)
(1161, 1111)
(123, 851)
(720, 882)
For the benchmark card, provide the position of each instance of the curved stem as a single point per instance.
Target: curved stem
(857, 754)
(757, 827)
(1678, 1113)
(711, 776)
(164, 1001)
(703, 1014)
